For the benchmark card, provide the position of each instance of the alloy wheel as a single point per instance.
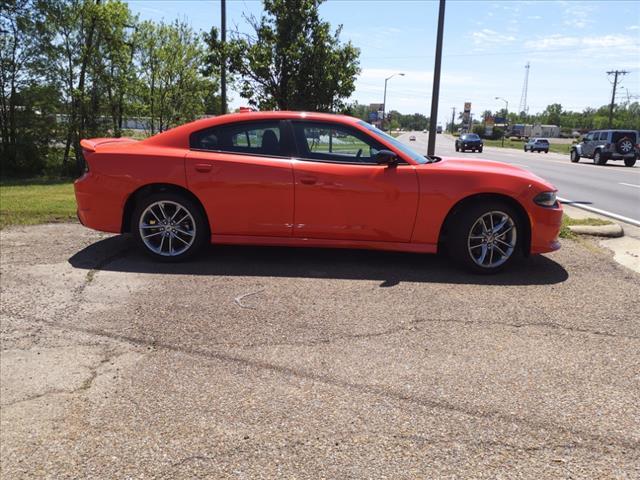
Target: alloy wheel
(167, 228)
(492, 239)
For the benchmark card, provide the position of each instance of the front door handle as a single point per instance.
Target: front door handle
(203, 167)
(309, 180)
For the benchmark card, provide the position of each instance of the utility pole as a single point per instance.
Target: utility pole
(223, 60)
(433, 120)
(453, 118)
(615, 74)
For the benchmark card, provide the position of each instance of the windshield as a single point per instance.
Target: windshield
(418, 158)
(470, 136)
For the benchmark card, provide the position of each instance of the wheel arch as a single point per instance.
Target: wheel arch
(148, 189)
(523, 217)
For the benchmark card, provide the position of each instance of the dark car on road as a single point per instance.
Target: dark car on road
(605, 145)
(537, 145)
(469, 141)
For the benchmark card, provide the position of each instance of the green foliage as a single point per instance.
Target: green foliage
(294, 61)
(73, 69)
(414, 121)
(170, 87)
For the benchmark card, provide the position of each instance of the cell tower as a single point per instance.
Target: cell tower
(525, 87)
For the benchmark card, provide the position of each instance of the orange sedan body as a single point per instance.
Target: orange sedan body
(305, 179)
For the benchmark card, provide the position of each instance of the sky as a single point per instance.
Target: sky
(570, 46)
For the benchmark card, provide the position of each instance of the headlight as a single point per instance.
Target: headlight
(546, 199)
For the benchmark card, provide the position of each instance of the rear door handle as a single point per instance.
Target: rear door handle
(309, 180)
(203, 167)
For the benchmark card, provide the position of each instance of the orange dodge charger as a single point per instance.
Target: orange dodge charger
(311, 179)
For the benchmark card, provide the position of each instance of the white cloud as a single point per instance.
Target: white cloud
(490, 37)
(633, 27)
(578, 14)
(556, 41)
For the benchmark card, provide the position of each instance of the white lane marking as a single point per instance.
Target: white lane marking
(601, 212)
(630, 185)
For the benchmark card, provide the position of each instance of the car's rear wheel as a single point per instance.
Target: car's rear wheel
(546, 151)
(629, 162)
(169, 227)
(485, 238)
(457, 148)
(525, 148)
(574, 157)
(598, 159)
(480, 150)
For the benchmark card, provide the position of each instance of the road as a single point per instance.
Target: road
(613, 188)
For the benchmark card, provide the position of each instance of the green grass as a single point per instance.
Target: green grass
(568, 221)
(36, 201)
(519, 144)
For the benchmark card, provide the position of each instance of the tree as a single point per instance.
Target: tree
(21, 63)
(293, 62)
(552, 114)
(171, 88)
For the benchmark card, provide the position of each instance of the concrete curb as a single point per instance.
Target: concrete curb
(611, 231)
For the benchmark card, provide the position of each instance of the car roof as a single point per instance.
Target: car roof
(178, 137)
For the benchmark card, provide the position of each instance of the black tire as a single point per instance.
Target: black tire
(629, 162)
(573, 156)
(480, 150)
(598, 159)
(457, 148)
(462, 149)
(546, 151)
(458, 237)
(194, 222)
(525, 149)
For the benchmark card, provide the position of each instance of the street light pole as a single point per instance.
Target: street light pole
(384, 100)
(433, 120)
(506, 102)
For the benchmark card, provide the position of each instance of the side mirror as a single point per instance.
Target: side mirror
(386, 157)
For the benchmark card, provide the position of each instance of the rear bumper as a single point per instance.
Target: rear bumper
(97, 207)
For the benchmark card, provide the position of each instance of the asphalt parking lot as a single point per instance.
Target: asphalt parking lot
(308, 363)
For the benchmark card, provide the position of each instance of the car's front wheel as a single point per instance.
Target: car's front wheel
(485, 238)
(574, 157)
(169, 227)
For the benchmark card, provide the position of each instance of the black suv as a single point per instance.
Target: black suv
(469, 141)
(604, 145)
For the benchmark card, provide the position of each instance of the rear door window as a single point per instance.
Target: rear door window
(255, 138)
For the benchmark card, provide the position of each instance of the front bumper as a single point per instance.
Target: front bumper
(545, 228)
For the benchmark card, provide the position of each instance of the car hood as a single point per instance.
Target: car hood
(493, 168)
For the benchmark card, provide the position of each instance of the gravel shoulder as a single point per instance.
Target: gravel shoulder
(309, 363)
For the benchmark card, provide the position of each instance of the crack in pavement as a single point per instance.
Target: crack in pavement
(86, 384)
(352, 386)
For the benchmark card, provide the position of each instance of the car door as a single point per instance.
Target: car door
(342, 193)
(587, 146)
(243, 174)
